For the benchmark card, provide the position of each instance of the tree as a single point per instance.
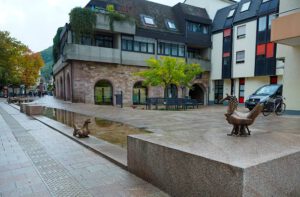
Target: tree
(168, 70)
(18, 65)
(11, 53)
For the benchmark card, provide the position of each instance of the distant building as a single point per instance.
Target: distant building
(101, 66)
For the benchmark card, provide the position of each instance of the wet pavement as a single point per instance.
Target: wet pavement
(37, 161)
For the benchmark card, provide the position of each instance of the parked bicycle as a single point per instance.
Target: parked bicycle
(274, 105)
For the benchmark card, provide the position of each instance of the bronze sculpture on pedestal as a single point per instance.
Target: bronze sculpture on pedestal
(240, 120)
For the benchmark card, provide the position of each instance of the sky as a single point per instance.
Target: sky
(34, 22)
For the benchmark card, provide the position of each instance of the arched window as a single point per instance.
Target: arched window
(139, 94)
(103, 93)
(171, 91)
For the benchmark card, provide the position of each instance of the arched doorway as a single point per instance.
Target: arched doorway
(196, 92)
(139, 94)
(171, 91)
(68, 96)
(103, 93)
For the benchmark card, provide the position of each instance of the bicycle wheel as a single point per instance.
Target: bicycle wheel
(266, 112)
(280, 109)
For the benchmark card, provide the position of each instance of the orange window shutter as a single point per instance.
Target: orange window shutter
(270, 50)
(227, 32)
(261, 49)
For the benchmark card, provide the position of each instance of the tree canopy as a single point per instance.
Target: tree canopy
(18, 65)
(169, 70)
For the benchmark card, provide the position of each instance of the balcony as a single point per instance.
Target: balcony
(205, 64)
(91, 53)
(286, 29)
(102, 23)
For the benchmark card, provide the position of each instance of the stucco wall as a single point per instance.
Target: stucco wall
(246, 44)
(216, 54)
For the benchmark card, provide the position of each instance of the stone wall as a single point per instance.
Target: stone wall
(84, 75)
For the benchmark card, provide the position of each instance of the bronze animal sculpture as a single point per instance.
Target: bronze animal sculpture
(83, 131)
(240, 120)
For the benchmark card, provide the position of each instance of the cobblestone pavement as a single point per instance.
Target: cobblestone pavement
(37, 161)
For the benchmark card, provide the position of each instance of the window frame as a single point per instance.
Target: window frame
(136, 46)
(144, 20)
(240, 61)
(168, 22)
(162, 46)
(246, 6)
(231, 13)
(240, 36)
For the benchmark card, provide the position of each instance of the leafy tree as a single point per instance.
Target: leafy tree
(83, 22)
(55, 49)
(18, 65)
(169, 70)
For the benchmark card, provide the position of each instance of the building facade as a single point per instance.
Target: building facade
(286, 33)
(99, 67)
(244, 56)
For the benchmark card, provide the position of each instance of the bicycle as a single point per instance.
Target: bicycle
(275, 105)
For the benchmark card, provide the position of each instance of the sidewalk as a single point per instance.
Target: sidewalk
(38, 161)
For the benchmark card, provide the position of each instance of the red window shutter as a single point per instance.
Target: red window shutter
(270, 50)
(227, 32)
(273, 80)
(261, 49)
(226, 54)
(241, 99)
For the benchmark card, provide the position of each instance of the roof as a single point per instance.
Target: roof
(160, 13)
(257, 8)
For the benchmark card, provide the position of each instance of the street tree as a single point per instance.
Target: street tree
(168, 70)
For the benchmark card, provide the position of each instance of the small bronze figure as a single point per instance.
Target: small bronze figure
(83, 131)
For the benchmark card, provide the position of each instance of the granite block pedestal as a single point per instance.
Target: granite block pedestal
(209, 163)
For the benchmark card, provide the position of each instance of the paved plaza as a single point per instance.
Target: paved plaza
(38, 161)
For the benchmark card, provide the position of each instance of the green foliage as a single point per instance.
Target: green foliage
(56, 45)
(115, 16)
(46, 71)
(12, 53)
(83, 22)
(169, 70)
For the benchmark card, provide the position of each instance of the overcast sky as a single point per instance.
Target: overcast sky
(34, 22)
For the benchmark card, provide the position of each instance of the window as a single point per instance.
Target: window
(231, 13)
(219, 84)
(86, 40)
(128, 44)
(197, 27)
(262, 23)
(264, 1)
(104, 41)
(148, 20)
(245, 6)
(240, 57)
(241, 90)
(171, 25)
(241, 32)
(194, 53)
(171, 49)
(271, 18)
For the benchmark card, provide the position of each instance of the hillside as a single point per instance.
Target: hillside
(46, 71)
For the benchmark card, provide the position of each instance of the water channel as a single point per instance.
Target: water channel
(112, 132)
